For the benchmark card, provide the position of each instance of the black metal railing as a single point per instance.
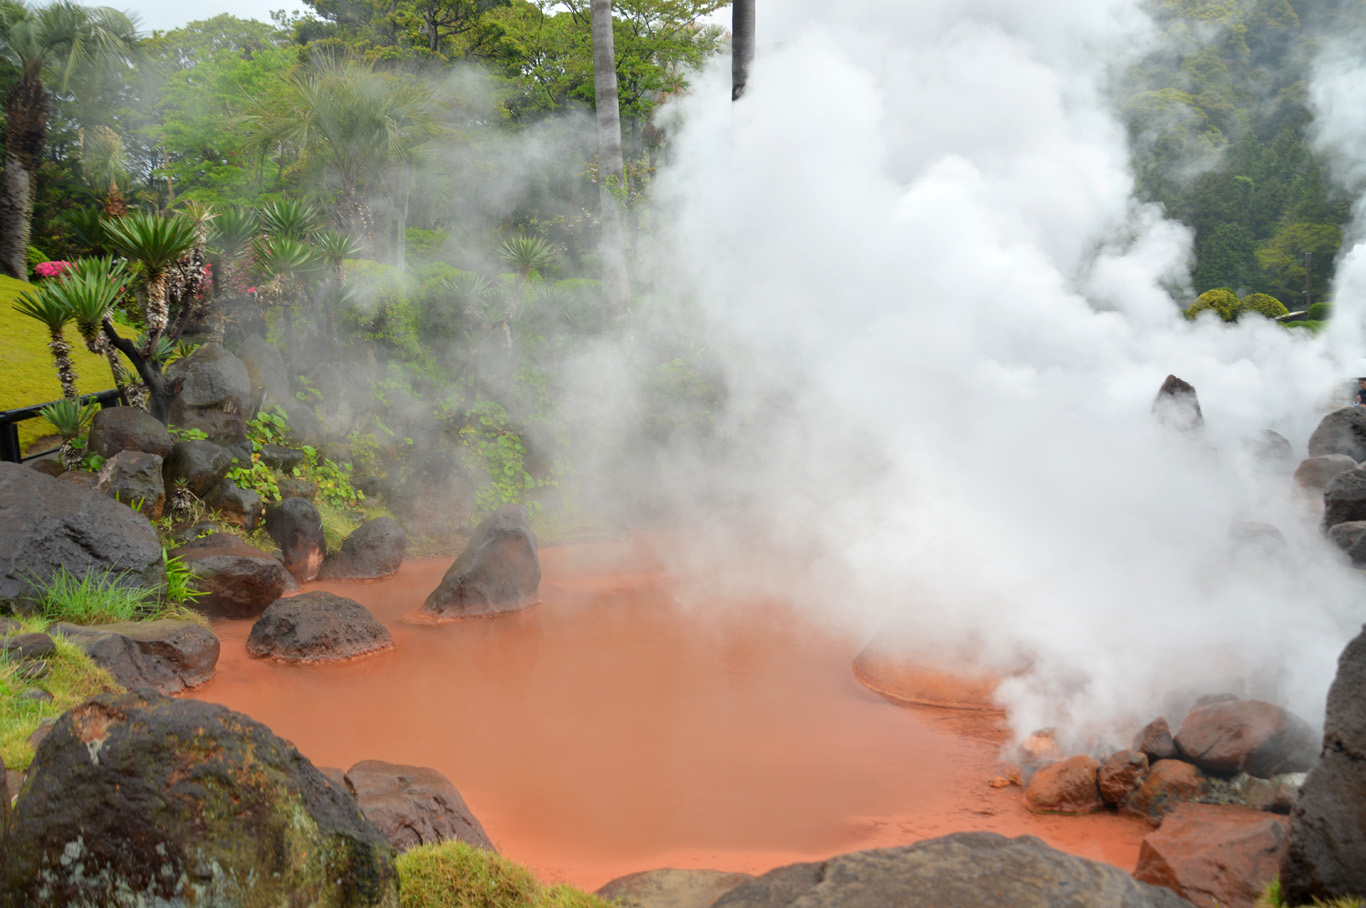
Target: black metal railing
(10, 419)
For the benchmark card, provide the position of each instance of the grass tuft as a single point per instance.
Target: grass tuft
(456, 875)
(71, 679)
(95, 598)
(1271, 898)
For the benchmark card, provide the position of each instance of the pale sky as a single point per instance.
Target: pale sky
(164, 15)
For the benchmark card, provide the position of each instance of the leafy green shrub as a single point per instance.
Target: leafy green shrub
(453, 874)
(1311, 326)
(1320, 312)
(333, 480)
(1263, 304)
(180, 588)
(1222, 300)
(492, 446)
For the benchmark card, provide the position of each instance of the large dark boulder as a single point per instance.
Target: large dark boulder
(1341, 432)
(1327, 856)
(1351, 538)
(265, 366)
(116, 429)
(963, 870)
(670, 887)
(346, 398)
(413, 805)
(433, 493)
(198, 464)
(297, 528)
(134, 478)
(499, 570)
(238, 506)
(1251, 736)
(1344, 498)
(317, 627)
(139, 799)
(47, 525)
(215, 380)
(1314, 473)
(239, 580)
(374, 550)
(168, 656)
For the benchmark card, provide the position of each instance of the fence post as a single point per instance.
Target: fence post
(9, 443)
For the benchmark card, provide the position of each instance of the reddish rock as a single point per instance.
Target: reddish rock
(413, 805)
(239, 581)
(1169, 783)
(1121, 775)
(1249, 736)
(1037, 751)
(1155, 741)
(1316, 472)
(1068, 787)
(499, 570)
(1214, 855)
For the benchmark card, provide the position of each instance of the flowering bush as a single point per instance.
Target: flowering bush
(51, 269)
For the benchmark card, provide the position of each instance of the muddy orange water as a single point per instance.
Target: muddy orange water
(612, 729)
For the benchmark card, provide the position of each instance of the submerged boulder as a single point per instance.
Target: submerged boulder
(1327, 855)
(48, 525)
(317, 627)
(413, 805)
(374, 550)
(297, 528)
(239, 580)
(499, 570)
(963, 869)
(139, 799)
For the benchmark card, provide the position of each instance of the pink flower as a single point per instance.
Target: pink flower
(51, 269)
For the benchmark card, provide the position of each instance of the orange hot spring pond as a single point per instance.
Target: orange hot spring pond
(613, 728)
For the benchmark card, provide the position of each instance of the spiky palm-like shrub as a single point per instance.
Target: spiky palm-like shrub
(527, 254)
(69, 417)
(88, 291)
(289, 218)
(50, 309)
(156, 243)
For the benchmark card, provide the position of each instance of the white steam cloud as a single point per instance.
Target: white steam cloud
(945, 319)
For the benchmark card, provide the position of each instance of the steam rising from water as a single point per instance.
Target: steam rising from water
(945, 319)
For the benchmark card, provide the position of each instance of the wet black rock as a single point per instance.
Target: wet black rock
(199, 465)
(317, 627)
(499, 570)
(116, 429)
(374, 550)
(297, 528)
(168, 656)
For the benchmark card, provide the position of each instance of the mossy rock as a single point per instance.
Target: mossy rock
(138, 799)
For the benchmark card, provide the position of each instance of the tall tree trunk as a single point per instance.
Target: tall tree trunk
(16, 218)
(26, 114)
(66, 369)
(616, 283)
(741, 45)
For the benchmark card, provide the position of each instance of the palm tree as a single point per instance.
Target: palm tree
(48, 307)
(156, 243)
(59, 38)
(88, 291)
(611, 169)
(741, 45)
(360, 129)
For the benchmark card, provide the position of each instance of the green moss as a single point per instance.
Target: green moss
(1223, 301)
(30, 377)
(457, 875)
(71, 679)
(1263, 304)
